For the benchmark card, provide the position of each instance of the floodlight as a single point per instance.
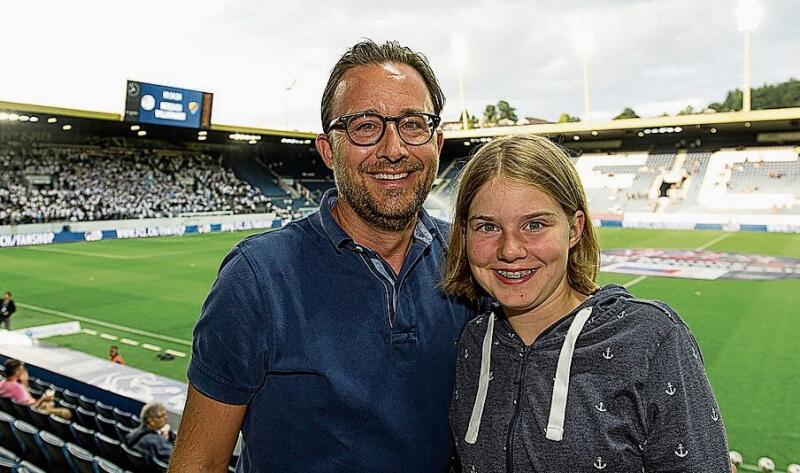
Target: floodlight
(748, 14)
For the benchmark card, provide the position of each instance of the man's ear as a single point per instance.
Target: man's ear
(439, 140)
(325, 149)
(576, 229)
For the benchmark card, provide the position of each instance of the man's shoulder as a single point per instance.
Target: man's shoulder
(280, 240)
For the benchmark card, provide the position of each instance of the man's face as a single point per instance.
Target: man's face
(385, 184)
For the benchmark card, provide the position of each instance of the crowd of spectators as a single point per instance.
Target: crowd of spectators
(72, 184)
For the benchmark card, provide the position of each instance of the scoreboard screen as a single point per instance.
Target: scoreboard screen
(162, 105)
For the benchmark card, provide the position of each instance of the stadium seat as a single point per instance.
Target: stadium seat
(38, 384)
(54, 447)
(34, 451)
(159, 466)
(20, 411)
(122, 416)
(6, 453)
(82, 460)
(107, 426)
(66, 405)
(109, 448)
(59, 427)
(122, 431)
(105, 466)
(8, 436)
(71, 397)
(7, 465)
(87, 403)
(6, 406)
(83, 437)
(39, 418)
(86, 418)
(28, 467)
(135, 460)
(104, 409)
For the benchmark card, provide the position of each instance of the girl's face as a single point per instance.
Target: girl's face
(518, 240)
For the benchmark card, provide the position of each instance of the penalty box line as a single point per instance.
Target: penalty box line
(101, 323)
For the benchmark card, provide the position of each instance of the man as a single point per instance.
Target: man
(15, 387)
(114, 356)
(151, 438)
(7, 309)
(327, 342)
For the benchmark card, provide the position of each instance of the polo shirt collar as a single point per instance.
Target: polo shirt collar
(425, 231)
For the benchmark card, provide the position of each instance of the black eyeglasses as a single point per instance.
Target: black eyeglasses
(366, 129)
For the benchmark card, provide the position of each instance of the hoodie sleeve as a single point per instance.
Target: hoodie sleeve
(684, 426)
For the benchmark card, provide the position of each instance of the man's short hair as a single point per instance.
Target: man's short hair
(367, 52)
(152, 410)
(13, 367)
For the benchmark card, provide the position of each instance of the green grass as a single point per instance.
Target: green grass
(748, 330)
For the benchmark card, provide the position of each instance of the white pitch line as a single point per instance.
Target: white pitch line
(634, 281)
(713, 242)
(128, 341)
(109, 336)
(176, 353)
(100, 323)
(151, 347)
(78, 253)
(86, 330)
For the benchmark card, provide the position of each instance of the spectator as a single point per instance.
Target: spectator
(7, 309)
(151, 438)
(114, 356)
(15, 386)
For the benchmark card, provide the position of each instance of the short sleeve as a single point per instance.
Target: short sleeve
(685, 430)
(229, 351)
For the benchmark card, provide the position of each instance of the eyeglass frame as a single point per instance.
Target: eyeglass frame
(341, 123)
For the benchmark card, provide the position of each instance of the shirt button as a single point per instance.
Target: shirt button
(515, 402)
(359, 249)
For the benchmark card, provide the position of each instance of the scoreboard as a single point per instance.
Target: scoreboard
(163, 105)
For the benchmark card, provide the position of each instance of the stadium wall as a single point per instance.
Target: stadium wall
(49, 233)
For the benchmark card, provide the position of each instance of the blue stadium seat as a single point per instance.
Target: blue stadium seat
(20, 411)
(39, 418)
(59, 427)
(8, 436)
(71, 397)
(83, 437)
(107, 425)
(67, 405)
(28, 467)
(135, 460)
(38, 384)
(82, 460)
(104, 409)
(105, 466)
(86, 418)
(122, 431)
(6, 405)
(6, 453)
(7, 465)
(54, 447)
(109, 448)
(34, 451)
(159, 466)
(122, 416)
(87, 403)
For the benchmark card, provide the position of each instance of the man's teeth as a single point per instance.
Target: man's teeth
(390, 177)
(514, 274)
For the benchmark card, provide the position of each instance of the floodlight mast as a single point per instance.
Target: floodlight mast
(748, 15)
(289, 88)
(584, 46)
(459, 47)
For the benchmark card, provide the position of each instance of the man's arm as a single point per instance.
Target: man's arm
(208, 432)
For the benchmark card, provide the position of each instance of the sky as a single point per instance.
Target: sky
(654, 56)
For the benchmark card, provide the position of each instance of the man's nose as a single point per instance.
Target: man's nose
(391, 147)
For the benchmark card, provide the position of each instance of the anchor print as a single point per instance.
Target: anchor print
(621, 315)
(491, 375)
(694, 354)
(714, 415)
(472, 470)
(607, 354)
(599, 464)
(680, 451)
(478, 320)
(670, 389)
(591, 321)
(466, 353)
(641, 447)
(600, 407)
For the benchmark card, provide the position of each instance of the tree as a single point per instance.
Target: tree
(627, 113)
(490, 114)
(506, 111)
(689, 110)
(782, 95)
(567, 118)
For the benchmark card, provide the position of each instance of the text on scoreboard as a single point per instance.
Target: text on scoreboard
(162, 105)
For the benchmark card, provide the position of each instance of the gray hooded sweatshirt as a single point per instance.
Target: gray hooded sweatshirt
(617, 385)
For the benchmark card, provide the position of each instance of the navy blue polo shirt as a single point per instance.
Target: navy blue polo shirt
(345, 365)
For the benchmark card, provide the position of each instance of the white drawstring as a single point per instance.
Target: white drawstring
(483, 383)
(558, 404)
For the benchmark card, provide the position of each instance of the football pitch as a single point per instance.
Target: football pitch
(144, 295)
